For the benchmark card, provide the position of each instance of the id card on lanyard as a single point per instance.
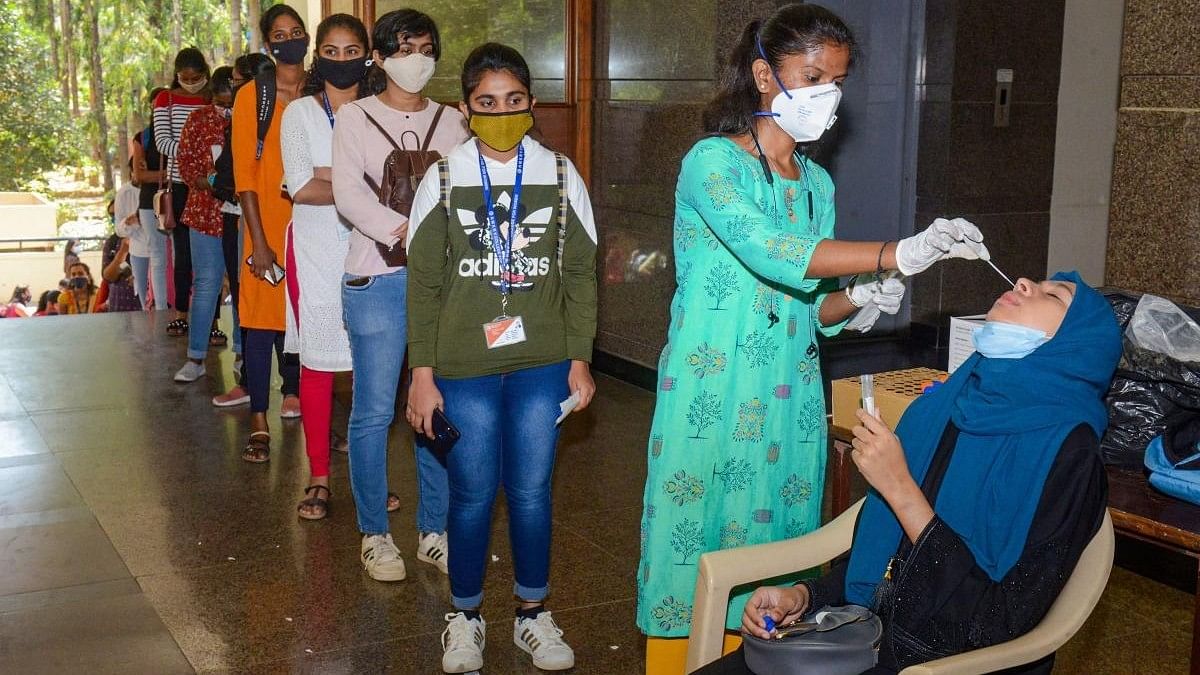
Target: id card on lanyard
(504, 330)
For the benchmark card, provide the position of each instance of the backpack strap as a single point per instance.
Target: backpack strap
(379, 126)
(375, 187)
(437, 116)
(560, 162)
(265, 94)
(443, 168)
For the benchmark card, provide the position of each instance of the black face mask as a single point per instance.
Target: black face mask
(291, 52)
(341, 74)
(78, 282)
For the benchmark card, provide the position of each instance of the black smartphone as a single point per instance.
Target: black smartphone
(444, 433)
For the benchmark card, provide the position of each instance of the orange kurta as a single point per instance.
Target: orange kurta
(260, 305)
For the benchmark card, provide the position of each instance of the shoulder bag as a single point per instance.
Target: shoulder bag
(831, 641)
(164, 207)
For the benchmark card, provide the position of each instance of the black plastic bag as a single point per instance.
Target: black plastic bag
(1147, 387)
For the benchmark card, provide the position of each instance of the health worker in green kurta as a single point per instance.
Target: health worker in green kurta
(738, 443)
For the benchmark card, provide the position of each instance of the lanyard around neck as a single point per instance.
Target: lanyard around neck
(501, 246)
(328, 108)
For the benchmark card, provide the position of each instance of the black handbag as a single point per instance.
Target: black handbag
(831, 641)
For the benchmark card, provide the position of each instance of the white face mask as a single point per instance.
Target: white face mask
(804, 113)
(807, 112)
(194, 87)
(411, 73)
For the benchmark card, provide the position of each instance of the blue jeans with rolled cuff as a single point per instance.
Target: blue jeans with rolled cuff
(508, 437)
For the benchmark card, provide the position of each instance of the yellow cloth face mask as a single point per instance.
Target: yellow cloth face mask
(501, 131)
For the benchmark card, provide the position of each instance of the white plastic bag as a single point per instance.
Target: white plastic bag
(1159, 325)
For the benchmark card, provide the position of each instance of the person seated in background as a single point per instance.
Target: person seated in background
(80, 296)
(47, 304)
(982, 501)
(117, 272)
(15, 309)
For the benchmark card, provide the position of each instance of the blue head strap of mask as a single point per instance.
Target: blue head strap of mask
(763, 53)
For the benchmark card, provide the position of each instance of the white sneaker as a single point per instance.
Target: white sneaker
(542, 639)
(190, 372)
(433, 549)
(381, 558)
(462, 643)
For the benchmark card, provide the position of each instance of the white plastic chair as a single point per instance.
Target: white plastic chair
(720, 571)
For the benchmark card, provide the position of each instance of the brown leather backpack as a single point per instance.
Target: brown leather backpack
(402, 173)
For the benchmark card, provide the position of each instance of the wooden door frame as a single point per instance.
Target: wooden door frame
(577, 81)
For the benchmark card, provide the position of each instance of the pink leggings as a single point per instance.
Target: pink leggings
(316, 387)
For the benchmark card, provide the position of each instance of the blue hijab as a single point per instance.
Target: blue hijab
(1013, 416)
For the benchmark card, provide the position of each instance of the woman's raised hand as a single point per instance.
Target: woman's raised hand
(943, 239)
(879, 456)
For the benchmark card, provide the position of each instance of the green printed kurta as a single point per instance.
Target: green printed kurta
(738, 444)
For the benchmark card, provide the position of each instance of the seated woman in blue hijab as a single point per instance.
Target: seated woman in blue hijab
(985, 497)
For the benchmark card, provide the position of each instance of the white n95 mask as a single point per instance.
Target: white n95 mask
(807, 112)
(411, 73)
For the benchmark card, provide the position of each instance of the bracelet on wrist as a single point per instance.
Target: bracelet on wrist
(850, 297)
(879, 260)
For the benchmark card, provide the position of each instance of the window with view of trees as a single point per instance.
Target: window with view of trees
(536, 28)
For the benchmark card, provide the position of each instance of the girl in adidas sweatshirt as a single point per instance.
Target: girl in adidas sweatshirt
(501, 318)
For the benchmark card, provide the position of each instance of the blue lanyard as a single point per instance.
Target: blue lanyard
(328, 109)
(502, 246)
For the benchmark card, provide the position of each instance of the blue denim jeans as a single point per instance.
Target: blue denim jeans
(141, 277)
(158, 259)
(376, 321)
(208, 271)
(509, 437)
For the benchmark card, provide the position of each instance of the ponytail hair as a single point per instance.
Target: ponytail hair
(793, 29)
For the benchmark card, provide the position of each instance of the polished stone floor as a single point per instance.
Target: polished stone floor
(133, 539)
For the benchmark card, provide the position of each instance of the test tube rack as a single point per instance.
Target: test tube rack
(894, 391)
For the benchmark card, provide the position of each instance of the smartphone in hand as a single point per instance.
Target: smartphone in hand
(274, 276)
(445, 435)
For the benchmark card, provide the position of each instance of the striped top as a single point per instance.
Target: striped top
(171, 112)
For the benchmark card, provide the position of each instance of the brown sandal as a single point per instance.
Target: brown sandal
(258, 448)
(315, 501)
(393, 498)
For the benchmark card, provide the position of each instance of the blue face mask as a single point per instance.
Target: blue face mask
(999, 340)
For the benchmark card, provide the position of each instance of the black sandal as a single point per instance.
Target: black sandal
(315, 501)
(258, 448)
(217, 338)
(177, 328)
(393, 497)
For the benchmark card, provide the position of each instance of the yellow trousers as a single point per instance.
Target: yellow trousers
(668, 656)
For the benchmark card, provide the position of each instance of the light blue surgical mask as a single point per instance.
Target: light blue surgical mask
(999, 340)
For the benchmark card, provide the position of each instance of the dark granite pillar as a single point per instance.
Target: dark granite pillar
(1154, 224)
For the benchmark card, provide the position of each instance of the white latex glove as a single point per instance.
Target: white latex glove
(958, 238)
(878, 297)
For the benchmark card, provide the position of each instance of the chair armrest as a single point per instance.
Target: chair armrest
(1068, 613)
(720, 571)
